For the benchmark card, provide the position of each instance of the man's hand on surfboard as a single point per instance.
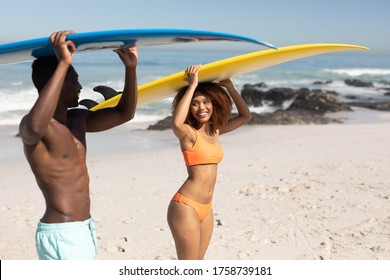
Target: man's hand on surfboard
(62, 48)
(128, 56)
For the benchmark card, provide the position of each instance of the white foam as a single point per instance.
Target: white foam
(356, 72)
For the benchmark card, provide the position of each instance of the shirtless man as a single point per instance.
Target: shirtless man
(55, 146)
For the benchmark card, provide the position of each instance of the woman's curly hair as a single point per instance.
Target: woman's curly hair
(222, 104)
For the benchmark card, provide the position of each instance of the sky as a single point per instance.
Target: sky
(280, 22)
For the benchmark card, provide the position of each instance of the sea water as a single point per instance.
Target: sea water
(17, 93)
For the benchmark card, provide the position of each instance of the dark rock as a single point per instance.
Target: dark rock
(322, 83)
(277, 96)
(162, 124)
(381, 106)
(318, 101)
(296, 116)
(358, 83)
(255, 97)
(255, 86)
(315, 100)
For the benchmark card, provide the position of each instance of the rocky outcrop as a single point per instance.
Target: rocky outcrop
(297, 116)
(162, 124)
(304, 98)
(308, 106)
(254, 96)
(358, 83)
(318, 101)
(381, 106)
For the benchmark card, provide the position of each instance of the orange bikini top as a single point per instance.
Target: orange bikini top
(202, 152)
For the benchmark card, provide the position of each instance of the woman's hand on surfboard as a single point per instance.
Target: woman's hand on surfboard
(226, 83)
(192, 74)
(62, 48)
(128, 56)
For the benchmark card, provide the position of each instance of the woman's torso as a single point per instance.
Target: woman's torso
(202, 160)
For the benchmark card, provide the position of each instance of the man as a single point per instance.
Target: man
(55, 147)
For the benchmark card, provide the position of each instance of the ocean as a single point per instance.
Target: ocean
(17, 94)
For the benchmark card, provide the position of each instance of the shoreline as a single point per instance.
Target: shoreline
(283, 192)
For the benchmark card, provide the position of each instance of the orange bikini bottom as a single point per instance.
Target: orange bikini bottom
(201, 209)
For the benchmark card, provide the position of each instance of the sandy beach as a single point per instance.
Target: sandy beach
(283, 192)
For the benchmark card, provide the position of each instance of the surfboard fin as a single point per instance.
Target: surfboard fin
(89, 103)
(106, 91)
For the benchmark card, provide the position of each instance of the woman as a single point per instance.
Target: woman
(200, 115)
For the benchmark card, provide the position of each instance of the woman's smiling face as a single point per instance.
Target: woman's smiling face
(201, 107)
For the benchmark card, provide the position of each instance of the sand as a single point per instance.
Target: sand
(296, 192)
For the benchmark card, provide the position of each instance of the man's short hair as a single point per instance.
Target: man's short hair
(42, 69)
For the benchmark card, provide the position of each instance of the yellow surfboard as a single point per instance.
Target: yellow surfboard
(227, 68)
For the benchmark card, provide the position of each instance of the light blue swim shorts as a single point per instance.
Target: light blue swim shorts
(66, 241)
